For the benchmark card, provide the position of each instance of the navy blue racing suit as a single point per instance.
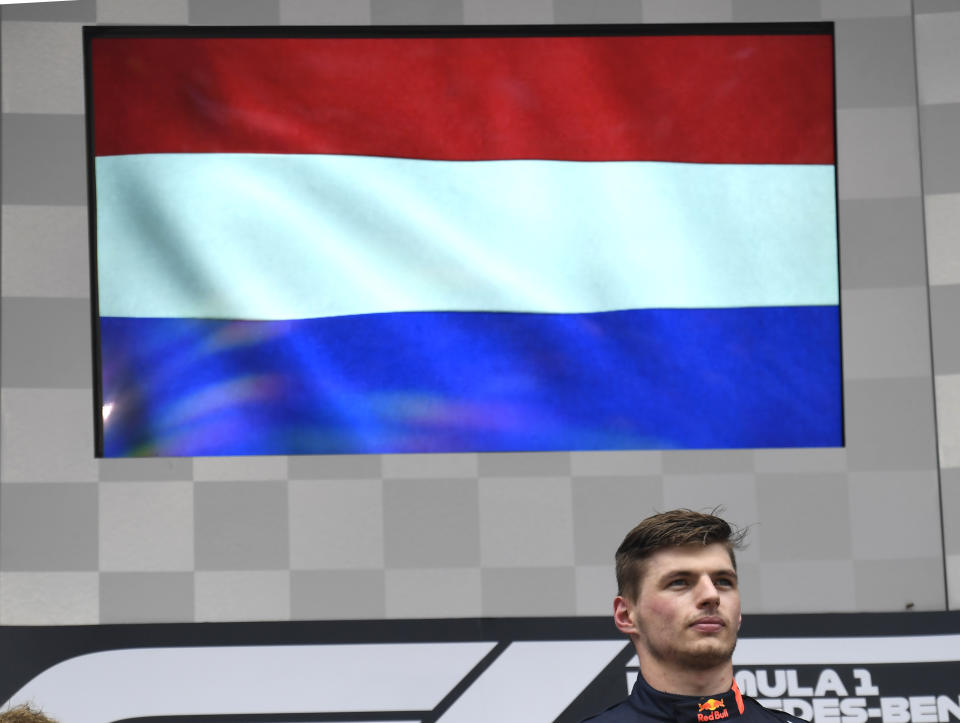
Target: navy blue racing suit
(646, 705)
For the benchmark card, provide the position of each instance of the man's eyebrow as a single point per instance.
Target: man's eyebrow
(728, 571)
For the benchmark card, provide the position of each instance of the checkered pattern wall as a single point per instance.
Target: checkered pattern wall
(869, 527)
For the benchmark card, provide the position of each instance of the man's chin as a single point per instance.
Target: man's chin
(708, 654)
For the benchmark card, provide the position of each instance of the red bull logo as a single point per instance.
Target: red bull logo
(710, 710)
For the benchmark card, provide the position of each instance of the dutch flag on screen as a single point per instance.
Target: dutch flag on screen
(464, 244)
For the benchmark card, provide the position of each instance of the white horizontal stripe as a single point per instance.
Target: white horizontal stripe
(533, 681)
(843, 651)
(261, 236)
(270, 679)
(848, 651)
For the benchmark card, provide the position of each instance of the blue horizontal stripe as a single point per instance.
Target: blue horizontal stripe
(260, 236)
(469, 382)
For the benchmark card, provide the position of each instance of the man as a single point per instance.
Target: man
(24, 714)
(679, 603)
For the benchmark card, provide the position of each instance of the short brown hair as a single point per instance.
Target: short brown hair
(675, 528)
(25, 713)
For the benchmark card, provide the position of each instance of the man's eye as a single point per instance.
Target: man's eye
(724, 582)
(677, 583)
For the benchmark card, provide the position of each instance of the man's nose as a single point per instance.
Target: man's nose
(707, 593)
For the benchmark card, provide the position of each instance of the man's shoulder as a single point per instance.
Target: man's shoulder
(621, 712)
(771, 714)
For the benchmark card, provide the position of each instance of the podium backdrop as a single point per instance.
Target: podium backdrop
(894, 668)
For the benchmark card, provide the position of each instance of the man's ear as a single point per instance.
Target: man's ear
(623, 615)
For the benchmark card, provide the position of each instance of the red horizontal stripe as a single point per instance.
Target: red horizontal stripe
(696, 98)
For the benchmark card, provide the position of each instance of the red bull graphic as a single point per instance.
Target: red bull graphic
(712, 709)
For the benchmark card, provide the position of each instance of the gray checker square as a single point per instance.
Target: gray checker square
(875, 63)
(42, 67)
(763, 11)
(416, 12)
(835, 9)
(429, 465)
(143, 11)
(879, 153)
(146, 469)
(889, 424)
(524, 464)
(335, 466)
(529, 591)
(934, 6)
(944, 312)
(801, 460)
(881, 243)
(621, 463)
(891, 514)
(46, 343)
(941, 162)
(146, 597)
(336, 524)
(734, 494)
(234, 12)
(82, 11)
(687, 11)
(337, 595)
(43, 159)
(48, 526)
(46, 252)
(884, 585)
(431, 523)
(599, 11)
(505, 12)
(324, 12)
(241, 526)
(885, 333)
(526, 522)
(227, 469)
(797, 504)
(606, 508)
(748, 581)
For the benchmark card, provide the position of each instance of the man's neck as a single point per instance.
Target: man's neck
(679, 680)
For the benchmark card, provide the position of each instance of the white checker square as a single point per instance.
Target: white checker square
(147, 526)
(942, 212)
(596, 586)
(938, 57)
(49, 598)
(526, 522)
(434, 593)
(798, 587)
(948, 418)
(47, 435)
(239, 596)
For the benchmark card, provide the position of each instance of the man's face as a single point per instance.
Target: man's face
(687, 612)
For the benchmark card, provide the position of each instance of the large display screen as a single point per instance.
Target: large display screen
(348, 240)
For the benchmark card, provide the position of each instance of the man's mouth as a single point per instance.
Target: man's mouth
(709, 624)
